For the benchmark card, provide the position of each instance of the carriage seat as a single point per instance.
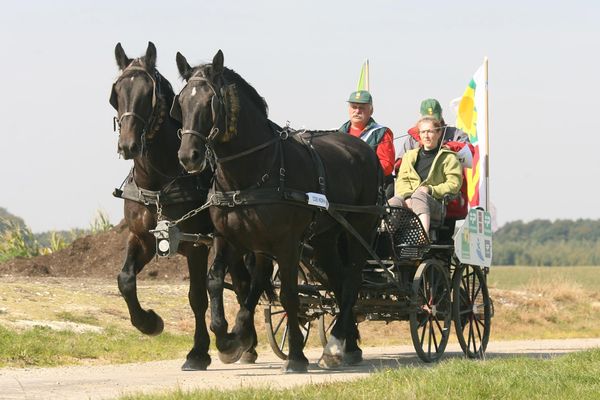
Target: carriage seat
(455, 208)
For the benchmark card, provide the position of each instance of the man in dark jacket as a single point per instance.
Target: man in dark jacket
(363, 126)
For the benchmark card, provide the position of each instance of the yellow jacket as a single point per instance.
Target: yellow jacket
(445, 175)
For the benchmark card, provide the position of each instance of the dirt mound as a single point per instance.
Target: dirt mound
(98, 256)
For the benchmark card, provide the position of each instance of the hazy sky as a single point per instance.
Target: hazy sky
(58, 160)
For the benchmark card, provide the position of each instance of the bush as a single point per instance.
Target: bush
(17, 241)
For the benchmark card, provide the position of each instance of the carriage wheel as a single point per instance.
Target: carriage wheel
(276, 319)
(471, 309)
(326, 322)
(431, 310)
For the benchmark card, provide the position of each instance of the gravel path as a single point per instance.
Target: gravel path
(112, 381)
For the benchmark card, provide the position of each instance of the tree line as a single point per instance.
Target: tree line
(548, 243)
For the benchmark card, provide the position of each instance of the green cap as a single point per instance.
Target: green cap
(431, 107)
(360, 96)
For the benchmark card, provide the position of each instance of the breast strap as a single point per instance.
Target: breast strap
(183, 189)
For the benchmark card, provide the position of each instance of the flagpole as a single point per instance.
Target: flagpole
(487, 139)
(367, 80)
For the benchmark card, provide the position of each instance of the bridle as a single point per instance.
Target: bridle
(216, 105)
(151, 124)
(215, 134)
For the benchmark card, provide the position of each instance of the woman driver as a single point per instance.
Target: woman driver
(427, 174)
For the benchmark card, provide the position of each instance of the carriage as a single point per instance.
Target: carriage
(429, 280)
(421, 281)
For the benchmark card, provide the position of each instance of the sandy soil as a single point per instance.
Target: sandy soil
(112, 381)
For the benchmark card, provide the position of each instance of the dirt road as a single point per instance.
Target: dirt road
(112, 381)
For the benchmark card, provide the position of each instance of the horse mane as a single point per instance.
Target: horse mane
(166, 89)
(233, 77)
(257, 99)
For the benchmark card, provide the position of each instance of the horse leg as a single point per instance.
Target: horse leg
(138, 254)
(327, 257)
(288, 273)
(241, 280)
(352, 278)
(198, 358)
(261, 271)
(229, 345)
(354, 260)
(244, 331)
(215, 282)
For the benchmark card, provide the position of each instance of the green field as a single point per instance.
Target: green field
(522, 277)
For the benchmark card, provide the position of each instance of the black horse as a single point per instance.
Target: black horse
(159, 188)
(262, 176)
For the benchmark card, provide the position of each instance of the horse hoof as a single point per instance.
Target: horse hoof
(249, 357)
(295, 367)
(330, 361)
(153, 324)
(196, 364)
(230, 358)
(353, 357)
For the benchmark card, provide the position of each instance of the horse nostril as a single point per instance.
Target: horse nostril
(133, 148)
(190, 159)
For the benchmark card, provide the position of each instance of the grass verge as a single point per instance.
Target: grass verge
(572, 376)
(45, 347)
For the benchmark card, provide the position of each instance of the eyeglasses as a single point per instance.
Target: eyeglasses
(431, 131)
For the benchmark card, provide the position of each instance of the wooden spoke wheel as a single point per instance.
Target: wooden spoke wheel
(472, 310)
(276, 319)
(431, 310)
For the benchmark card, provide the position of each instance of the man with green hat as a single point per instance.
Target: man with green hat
(363, 126)
(432, 108)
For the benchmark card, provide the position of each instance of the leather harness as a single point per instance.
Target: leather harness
(182, 189)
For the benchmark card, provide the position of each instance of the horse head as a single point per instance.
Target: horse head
(136, 95)
(208, 107)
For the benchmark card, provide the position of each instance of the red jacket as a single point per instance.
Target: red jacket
(385, 150)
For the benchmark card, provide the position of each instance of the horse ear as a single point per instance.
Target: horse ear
(150, 59)
(122, 59)
(217, 64)
(182, 65)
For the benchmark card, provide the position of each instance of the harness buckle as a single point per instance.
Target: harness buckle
(236, 200)
(143, 198)
(214, 131)
(284, 134)
(282, 172)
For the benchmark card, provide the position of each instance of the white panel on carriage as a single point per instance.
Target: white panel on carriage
(473, 240)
